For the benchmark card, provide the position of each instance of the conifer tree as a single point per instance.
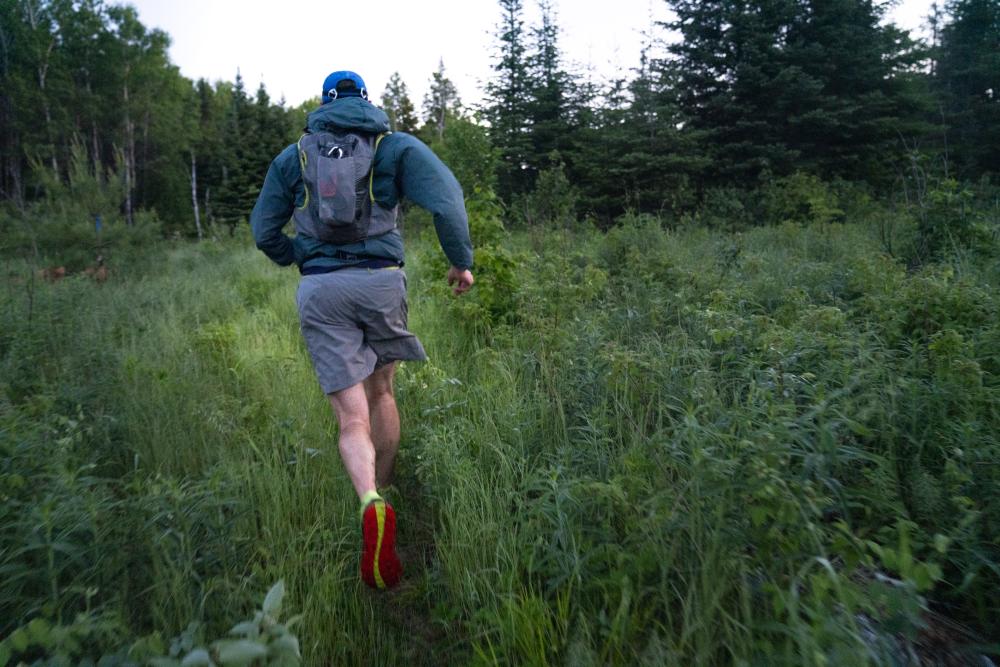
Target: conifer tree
(633, 154)
(212, 109)
(397, 105)
(968, 80)
(270, 134)
(856, 97)
(779, 85)
(240, 176)
(549, 92)
(731, 80)
(507, 101)
(440, 101)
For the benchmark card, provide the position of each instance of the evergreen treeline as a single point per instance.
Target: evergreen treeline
(726, 96)
(89, 92)
(88, 79)
(746, 93)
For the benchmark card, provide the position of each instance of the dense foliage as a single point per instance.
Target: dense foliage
(90, 74)
(665, 447)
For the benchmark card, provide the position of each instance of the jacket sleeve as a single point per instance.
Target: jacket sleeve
(425, 180)
(274, 208)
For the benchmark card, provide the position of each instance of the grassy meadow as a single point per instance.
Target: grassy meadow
(647, 446)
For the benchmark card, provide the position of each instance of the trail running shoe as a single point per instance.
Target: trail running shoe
(380, 566)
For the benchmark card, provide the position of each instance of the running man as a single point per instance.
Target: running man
(342, 183)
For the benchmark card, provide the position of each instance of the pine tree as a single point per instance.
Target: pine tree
(212, 108)
(968, 78)
(397, 105)
(240, 175)
(779, 85)
(856, 97)
(730, 74)
(270, 134)
(508, 99)
(633, 154)
(440, 101)
(549, 92)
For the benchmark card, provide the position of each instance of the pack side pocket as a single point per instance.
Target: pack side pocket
(335, 190)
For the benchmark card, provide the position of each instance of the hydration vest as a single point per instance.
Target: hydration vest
(337, 171)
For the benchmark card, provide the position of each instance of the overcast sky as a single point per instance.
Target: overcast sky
(291, 45)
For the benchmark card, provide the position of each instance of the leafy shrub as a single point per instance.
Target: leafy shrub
(725, 209)
(466, 149)
(932, 300)
(61, 228)
(800, 198)
(86, 191)
(496, 267)
(553, 201)
(53, 238)
(638, 245)
(948, 220)
(264, 641)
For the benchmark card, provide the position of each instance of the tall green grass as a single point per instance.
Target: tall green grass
(645, 447)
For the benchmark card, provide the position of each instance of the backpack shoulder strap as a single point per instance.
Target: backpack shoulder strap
(302, 153)
(371, 175)
(302, 169)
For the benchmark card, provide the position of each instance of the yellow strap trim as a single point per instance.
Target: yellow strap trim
(380, 517)
(371, 176)
(302, 167)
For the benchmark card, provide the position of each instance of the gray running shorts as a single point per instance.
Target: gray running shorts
(354, 321)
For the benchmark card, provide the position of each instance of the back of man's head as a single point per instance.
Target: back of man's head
(343, 83)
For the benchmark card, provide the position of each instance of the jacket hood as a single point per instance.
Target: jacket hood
(349, 113)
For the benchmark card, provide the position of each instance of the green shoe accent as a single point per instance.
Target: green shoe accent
(367, 500)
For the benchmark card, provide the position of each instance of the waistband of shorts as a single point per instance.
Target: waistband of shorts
(363, 264)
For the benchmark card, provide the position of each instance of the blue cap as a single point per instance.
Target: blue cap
(343, 83)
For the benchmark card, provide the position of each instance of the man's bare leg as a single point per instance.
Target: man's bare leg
(356, 448)
(384, 420)
(379, 564)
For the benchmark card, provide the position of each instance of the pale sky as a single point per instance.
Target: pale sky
(291, 45)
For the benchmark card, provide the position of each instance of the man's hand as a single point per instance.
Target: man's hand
(461, 278)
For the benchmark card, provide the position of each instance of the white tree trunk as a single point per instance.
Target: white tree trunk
(129, 155)
(194, 195)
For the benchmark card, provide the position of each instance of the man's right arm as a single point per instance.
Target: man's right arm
(428, 183)
(274, 208)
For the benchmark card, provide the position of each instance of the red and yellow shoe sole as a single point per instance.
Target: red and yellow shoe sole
(380, 566)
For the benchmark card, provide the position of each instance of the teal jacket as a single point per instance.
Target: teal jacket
(404, 167)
